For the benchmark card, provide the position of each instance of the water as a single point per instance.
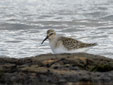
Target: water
(23, 24)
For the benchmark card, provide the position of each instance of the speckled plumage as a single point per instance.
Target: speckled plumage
(71, 43)
(61, 44)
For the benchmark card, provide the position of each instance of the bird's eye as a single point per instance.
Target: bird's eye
(51, 34)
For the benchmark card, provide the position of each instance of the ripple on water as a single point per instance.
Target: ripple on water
(22, 31)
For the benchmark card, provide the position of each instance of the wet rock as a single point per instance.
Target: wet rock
(34, 69)
(8, 67)
(62, 69)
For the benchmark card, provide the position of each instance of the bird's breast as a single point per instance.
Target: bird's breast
(57, 49)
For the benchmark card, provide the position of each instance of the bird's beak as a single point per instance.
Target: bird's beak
(44, 39)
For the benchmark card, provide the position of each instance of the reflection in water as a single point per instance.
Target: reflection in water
(23, 24)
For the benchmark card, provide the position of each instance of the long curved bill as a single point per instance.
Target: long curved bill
(44, 39)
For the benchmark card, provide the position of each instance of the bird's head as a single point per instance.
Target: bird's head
(50, 35)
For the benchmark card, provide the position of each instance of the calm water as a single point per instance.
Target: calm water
(23, 24)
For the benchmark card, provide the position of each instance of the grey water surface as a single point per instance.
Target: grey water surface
(23, 25)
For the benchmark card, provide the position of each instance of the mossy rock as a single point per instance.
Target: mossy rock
(103, 67)
(34, 69)
(1, 73)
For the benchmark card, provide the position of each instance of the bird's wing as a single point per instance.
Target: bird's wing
(71, 43)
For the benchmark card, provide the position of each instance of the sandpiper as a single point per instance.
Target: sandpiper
(61, 44)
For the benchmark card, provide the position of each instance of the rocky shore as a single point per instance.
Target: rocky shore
(63, 69)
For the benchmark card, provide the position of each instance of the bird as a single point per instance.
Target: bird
(61, 44)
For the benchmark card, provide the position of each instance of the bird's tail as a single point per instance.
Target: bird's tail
(92, 44)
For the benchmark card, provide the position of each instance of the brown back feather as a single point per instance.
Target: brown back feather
(71, 43)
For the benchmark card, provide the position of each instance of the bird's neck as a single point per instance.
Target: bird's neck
(53, 41)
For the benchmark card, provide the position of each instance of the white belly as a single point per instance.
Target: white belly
(62, 49)
(59, 50)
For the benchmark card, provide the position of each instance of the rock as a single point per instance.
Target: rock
(8, 67)
(34, 69)
(62, 69)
